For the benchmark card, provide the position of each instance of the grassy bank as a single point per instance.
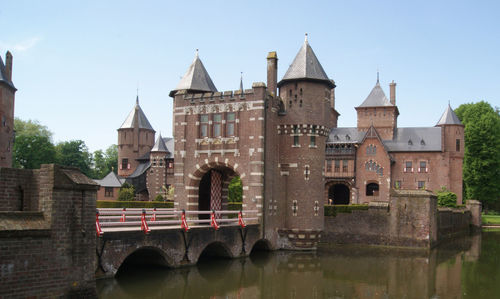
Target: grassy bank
(491, 219)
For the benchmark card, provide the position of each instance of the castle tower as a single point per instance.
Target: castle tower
(307, 94)
(378, 111)
(135, 139)
(157, 174)
(7, 95)
(452, 136)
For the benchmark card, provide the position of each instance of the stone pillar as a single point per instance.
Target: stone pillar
(475, 209)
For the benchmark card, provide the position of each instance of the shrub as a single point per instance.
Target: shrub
(446, 198)
(332, 210)
(159, 197)
(126, 193)
(133, 204)
(235, 190)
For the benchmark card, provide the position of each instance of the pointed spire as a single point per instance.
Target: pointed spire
(306, 66)
(241, 82)
(196, 78)
(449, 117)
(376, 97)
(159, 145)
(136, 116)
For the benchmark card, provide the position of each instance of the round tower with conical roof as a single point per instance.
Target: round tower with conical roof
(307, 93)
(136, 137)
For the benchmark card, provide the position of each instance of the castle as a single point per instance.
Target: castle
(281, 138)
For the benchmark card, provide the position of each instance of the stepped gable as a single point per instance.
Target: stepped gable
(136, 115)
(306, 66)
(196, 79)
(449, 118)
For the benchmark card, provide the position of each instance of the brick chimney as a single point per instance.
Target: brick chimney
(8, 66)
(392, 86)
(272, 72)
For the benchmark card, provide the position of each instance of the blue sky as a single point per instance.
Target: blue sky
(77, 64)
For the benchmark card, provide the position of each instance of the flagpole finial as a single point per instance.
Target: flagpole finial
(305, 39)
(378, 81)
(197, 53)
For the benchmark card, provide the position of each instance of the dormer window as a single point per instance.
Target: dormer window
(336, 137)
(347, 137)
(422, 142)
(410, 142)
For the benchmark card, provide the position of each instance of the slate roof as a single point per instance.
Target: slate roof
(196, 78)
(169, 143)
(136, 115)
(111, 180)
(3, 77)
(141, 168)
(415, 140)
(305, 66)
(345, 135)
(159, 145)
(376, 98)
(449, 118)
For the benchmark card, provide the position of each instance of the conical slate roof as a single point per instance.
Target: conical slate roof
(376, 98)
(136, 115)
(305, 66)
(449, 118)
(196, 78)
(111, 180)
(159, 145)
(3, 78)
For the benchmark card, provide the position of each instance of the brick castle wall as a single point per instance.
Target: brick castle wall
(48, 250)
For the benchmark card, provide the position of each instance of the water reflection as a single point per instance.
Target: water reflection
(465, 268)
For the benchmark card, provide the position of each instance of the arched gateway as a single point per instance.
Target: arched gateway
(339, 194)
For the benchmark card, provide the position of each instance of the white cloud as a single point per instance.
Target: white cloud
(22, 45)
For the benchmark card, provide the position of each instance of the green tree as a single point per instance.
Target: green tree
(105, 162)
(31, 128)
(74, 153)
(235, 190)
(481, 168)
(30, 151)
(33, 145)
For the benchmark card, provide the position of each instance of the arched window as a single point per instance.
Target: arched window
(372, 189)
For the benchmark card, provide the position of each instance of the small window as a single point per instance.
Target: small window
(313, 141)
(203, 125)
(421, 184)
(410, 142)
(423, 166)
(372, 189)
(408, 166)
(230, 120)
(328, 165)
(108, 191)
(344, 166)
(217, 124)
(337, 166)
(170, 164)
(296, 140)
(124, 164)
(458, 145)
(300, 91)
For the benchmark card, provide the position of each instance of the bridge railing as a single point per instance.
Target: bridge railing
(132, 219)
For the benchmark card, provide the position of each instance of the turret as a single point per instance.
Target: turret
(196, 79)
(306, 91)
(452, 137)
(136, 137)
(157, 175)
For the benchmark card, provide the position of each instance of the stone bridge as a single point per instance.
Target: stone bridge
(174, 247)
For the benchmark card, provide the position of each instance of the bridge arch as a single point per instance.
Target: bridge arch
(261, 245)
(209, 186)
(216, 249)
(143, 256)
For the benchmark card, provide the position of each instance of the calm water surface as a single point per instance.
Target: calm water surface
(465, 268)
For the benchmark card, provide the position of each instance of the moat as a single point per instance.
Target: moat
(468, 267)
